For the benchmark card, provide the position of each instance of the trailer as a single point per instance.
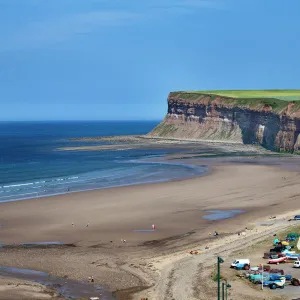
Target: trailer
(295, 281)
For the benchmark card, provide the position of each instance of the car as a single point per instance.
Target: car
(274, 284)
(296, 264)
(241, 264)
(256, 278)
(297, 217)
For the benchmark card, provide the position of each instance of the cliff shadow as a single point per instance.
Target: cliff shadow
(272, 128)
(258, 127)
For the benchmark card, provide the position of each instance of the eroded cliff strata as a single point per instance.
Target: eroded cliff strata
(272, 123)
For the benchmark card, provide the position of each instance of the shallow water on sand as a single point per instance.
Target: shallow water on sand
(221, 214)
(68, 288)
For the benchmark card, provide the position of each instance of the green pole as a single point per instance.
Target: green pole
(218, 278)
(227, 286)
(220, 260)
(223, 291)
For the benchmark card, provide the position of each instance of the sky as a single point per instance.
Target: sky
(119, 59)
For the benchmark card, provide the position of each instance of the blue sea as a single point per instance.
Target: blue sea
(31, 166)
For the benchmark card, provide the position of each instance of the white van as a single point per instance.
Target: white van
(296, 264)
(241, 261)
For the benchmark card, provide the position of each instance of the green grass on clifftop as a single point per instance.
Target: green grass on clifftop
(288, 95)
(254, 99)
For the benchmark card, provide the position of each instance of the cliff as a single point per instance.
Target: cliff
(266, 120)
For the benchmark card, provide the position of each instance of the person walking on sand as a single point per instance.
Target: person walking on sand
(153, 227)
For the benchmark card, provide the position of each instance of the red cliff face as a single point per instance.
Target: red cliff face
(274, 125)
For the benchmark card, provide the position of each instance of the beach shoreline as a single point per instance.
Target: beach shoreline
(103, 218)
(202, 171)
(78, 182)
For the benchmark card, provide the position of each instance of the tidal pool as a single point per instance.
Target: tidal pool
(215, 215)
(66, 287)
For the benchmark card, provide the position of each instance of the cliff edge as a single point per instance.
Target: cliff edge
(270, 118)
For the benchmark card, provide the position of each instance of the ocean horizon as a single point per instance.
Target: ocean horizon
(31, 166)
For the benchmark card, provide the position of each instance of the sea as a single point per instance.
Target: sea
(32, 166)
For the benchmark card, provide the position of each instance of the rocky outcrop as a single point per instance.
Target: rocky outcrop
(272, 123)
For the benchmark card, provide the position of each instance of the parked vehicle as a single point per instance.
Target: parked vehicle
(256, 278)
(296, 264)
(241, 264)
(274, 284)
(297, 217)
(295, 281)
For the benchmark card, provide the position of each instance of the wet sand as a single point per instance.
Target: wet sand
(177, 208)
(12, 289)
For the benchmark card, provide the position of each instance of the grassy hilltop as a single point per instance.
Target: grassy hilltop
(287, 95)
(277, 99)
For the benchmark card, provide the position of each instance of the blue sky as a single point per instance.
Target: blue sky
(118, 59)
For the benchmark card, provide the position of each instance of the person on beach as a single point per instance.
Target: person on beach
(91, 279)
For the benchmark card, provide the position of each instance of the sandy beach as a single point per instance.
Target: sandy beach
(103, 218)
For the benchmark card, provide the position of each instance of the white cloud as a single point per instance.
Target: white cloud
(54, 31)
(60, 29)
(183, 5)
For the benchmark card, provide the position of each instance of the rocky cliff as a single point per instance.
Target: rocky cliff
(270, 122)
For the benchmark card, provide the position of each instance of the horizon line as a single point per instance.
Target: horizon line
(127, 120)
